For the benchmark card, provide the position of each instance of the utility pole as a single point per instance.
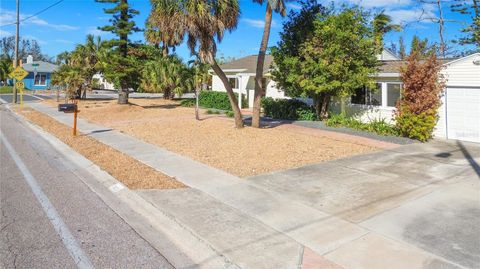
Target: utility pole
(15, 64)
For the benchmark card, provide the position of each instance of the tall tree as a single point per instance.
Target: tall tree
(472, 32)
(206, 22)
(401, 50)
(440, 20)
(164, 25)
(279, 7)
(421, 47)
(382, 24)
(119, 66)
(298, 29)
(338, 58)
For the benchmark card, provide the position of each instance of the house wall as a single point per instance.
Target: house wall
(457, 74)
(104, 83)
(29, 82)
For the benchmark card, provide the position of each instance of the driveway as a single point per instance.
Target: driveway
(417, 202)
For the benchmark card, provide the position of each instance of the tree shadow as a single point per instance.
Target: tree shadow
(469, 157)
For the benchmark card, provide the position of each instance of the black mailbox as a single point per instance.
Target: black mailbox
(67, 108)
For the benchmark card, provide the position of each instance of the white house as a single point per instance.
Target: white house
(459, 113)
(104, 84)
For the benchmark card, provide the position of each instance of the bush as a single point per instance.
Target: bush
(287, 109)
(187, 103)
(212, 111)
(415, 126)
(230, 114)
(380, 127)
(217, 100)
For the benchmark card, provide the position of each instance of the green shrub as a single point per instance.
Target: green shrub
(380, 127)
(6, 89)
(230, 114)
(415, 126)
(209, 111)
(187, 103)
(287, 109)
(217, 100)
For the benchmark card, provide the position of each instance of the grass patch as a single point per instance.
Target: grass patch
(210, 111)
(6, 89)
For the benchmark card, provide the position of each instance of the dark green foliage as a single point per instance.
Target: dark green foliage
(229, 114)
(296, 30)
(417, 126)
(187, 103)
(287, 109)
(380, 127)
(118, 66)
(217, 100)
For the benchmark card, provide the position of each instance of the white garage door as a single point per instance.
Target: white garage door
(463, 114)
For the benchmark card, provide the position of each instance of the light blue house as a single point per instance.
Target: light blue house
(39, 74)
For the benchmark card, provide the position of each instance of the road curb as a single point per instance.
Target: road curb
(178, 244)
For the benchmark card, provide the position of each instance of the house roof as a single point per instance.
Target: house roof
(247, 64)
(44, 67)
(393, 66)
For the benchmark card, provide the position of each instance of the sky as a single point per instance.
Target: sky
(63, 26)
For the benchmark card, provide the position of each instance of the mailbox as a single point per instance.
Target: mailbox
(67, 108)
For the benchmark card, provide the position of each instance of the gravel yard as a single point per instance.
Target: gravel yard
(129, 171)
(213, 140)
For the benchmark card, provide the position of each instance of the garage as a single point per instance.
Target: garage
(463, 113)
(459, 115)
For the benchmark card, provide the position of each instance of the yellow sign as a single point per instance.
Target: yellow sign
(19, 85)
(19, 73)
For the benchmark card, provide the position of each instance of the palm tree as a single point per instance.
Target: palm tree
(382, 24)
(279, 7)
(6, 67)
(199, 76)
(165, 25)
(206, 22)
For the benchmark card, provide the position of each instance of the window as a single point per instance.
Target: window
(359, 97)
(233, 82)
(393, 94)
(40, 79)
(364, 96)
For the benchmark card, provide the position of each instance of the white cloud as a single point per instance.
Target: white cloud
(9, 17)
(408, 15)
(64, 41)
(258, 23)
(294, 6)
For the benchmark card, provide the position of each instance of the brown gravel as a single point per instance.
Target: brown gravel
(213, 140)
(129, 171)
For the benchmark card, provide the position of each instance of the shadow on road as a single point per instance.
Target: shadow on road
(469, 157)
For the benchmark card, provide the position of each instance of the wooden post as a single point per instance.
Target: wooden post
(75, 120)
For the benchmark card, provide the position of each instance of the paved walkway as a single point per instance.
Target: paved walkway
(351, 213)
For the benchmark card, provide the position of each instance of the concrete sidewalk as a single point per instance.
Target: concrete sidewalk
(336, 214)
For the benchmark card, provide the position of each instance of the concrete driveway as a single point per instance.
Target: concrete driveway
(419, 203)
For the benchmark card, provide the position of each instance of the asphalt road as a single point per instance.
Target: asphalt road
(50, 218)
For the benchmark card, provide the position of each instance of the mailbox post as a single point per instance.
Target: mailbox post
(70, 108)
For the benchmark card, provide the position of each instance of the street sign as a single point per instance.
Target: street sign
(19, 73)
(19, 84)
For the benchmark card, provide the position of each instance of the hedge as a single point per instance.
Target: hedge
(217, 100)
(287, 109)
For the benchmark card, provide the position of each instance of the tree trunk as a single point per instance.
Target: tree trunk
(259, 90)
(325, 106)
(231, 96)
(123, 97)
(197, 92)
(317, 104)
